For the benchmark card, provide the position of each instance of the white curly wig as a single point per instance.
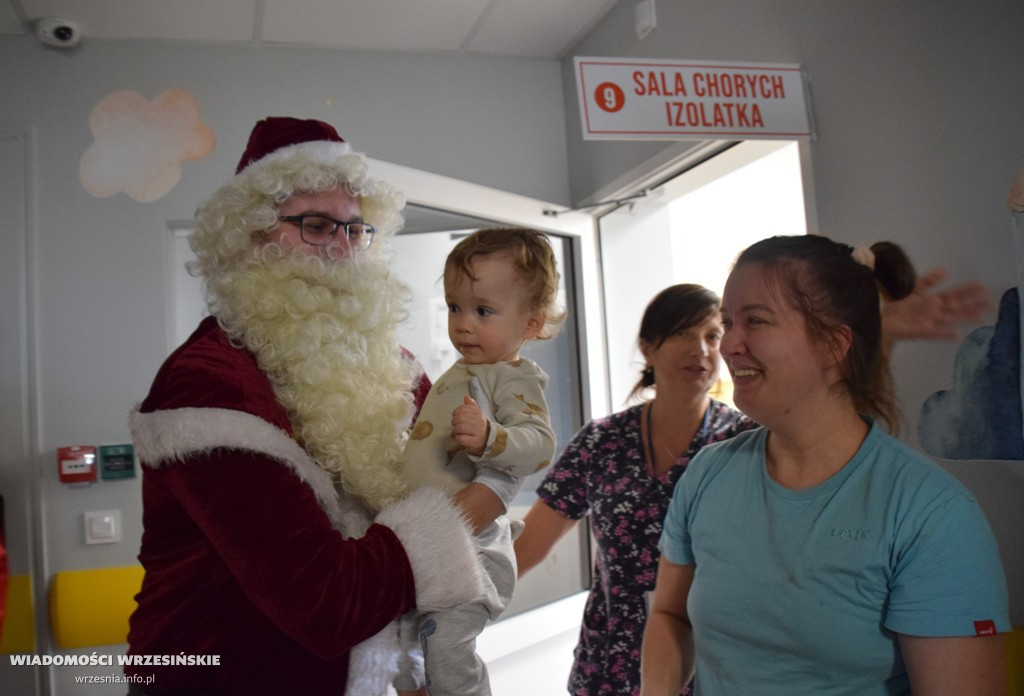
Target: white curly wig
(240, 213)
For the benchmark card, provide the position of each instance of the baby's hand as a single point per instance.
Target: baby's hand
(470, 427)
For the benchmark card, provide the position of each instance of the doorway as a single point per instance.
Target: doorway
(689, 229)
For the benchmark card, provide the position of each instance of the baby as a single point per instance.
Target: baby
(483, 428)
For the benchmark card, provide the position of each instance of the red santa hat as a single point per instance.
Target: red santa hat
(302, 143)
(280, 137)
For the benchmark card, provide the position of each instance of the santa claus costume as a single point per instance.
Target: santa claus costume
(278, 539)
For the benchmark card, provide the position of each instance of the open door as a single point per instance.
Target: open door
(689, 229)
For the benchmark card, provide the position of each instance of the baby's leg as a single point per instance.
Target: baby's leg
(449, 649)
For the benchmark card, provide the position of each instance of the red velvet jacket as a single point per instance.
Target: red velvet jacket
(241, 546)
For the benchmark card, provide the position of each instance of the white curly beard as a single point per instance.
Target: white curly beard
(323, 332)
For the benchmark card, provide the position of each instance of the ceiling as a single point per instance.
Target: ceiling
(545, 29)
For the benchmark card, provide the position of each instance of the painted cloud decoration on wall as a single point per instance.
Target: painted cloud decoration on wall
(981, 417)
(139, 145)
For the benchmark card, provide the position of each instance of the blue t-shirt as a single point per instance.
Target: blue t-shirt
(804, 591)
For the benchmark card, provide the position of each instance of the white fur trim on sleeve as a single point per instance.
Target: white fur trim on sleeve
(164, 437)
(440, 546)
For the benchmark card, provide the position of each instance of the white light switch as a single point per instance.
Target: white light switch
(103, 527)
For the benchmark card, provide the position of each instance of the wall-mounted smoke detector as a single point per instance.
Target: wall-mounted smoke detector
(54, 31)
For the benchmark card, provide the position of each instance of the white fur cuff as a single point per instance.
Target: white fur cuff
(440, 546)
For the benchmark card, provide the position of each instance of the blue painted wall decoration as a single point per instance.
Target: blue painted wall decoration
(981, 416)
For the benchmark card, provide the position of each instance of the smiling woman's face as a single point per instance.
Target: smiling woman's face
(775, 365)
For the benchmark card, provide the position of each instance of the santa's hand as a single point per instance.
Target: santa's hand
(470, 427)
(441, 550)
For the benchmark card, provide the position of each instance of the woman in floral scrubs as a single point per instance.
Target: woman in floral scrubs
(621, 470)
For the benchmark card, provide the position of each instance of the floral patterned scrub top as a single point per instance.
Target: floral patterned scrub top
(602, 473)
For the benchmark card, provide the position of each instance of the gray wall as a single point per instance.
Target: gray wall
(919, 108)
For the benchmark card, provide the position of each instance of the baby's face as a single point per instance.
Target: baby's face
(489, 318)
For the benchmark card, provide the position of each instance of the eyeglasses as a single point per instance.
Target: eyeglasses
(320, 230)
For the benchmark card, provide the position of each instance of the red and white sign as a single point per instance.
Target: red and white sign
(638, 99)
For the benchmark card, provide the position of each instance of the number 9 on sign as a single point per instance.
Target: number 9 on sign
(609, 97)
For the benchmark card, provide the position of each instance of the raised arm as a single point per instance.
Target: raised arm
(934, 314)
(521, 440)
(470, 428)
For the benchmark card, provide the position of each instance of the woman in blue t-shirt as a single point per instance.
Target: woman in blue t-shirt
(819, 554)
(620, 470)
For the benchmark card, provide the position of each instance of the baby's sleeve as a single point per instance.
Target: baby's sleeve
(521, 440)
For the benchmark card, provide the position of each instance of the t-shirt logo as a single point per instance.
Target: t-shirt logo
(984, 628)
